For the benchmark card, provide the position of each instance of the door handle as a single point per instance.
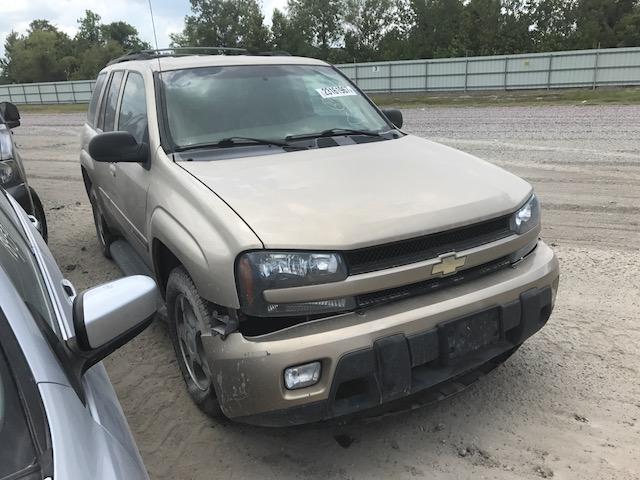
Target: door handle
(69, 289)
(112, 169)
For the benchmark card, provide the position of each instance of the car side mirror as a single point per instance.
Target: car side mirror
(9, 112)
(394, 116)
(109, 315)
(117, 147)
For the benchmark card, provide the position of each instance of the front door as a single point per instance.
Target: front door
(132, 179)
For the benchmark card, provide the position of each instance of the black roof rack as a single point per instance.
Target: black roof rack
(185, 51)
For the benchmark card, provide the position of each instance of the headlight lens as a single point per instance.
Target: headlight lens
(264, 270)
(7, 172)
(528, 217)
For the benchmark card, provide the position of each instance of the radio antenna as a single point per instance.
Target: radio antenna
(155, 35)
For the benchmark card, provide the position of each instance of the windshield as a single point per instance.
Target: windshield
(206, 105)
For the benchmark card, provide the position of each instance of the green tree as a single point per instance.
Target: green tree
(319, 22)
(599, 22)
(89, 32)
(288, 38)
(480, 27)
(628, 29)
(514, 35)
(366, 24)
(124, 34)
(224, 23)
(436, 28)
(553, 24)
(93, 59)
(36, 56)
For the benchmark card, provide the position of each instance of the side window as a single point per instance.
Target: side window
(18, 262)
(95, 97)
(133, 107)
(111, 101)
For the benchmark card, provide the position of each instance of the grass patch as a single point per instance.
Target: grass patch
(56, 108)
(574, 96)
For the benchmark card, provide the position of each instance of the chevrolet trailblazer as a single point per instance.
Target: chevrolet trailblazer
(315, 260)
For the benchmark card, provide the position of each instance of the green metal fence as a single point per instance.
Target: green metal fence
(578, 68)
(45, 93)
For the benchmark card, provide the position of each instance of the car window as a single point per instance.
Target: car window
(95, 97)
(208, 104)
(111, 101)
(17, 451)
(133, 107)
(18, 262)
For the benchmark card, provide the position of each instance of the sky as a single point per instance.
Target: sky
(168, 14)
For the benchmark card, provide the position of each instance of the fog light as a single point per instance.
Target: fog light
(302, 375)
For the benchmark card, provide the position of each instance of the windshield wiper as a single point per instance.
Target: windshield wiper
(239, 141)
(332, 132)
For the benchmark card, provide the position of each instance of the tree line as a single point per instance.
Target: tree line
(46, 54)
(339, 31)
(343, 31)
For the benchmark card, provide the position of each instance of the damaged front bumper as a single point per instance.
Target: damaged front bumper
(379, 355)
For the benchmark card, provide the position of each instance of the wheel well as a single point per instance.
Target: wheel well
(86, 180)
(163, 261)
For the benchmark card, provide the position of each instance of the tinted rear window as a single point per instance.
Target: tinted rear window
(93, 106)
(112, 100)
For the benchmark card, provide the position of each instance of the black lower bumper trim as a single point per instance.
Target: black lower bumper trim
(433, 361)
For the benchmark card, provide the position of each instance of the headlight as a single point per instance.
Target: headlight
(7, 172)
(528, 217)
(263, 270)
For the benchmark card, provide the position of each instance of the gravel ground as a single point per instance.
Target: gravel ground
(566, 405)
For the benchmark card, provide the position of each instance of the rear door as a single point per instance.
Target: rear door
(132, 179)
(104, 172)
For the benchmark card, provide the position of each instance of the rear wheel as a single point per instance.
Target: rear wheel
(189, 317)
(105, 237)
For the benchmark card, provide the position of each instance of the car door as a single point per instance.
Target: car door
(132, 179)
(104, 172)
(85, 409)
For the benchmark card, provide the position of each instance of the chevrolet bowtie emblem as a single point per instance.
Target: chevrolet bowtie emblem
(448, 264)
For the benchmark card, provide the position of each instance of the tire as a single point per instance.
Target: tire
(189, 315)
(38, 212)
(105, 237)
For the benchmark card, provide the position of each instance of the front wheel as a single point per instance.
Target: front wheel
(190, 316)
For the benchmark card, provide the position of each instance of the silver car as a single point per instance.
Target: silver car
(59, 415)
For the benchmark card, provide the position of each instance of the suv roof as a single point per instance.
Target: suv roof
(154, 60)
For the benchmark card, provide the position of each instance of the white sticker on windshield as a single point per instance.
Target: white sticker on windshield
(332, 92)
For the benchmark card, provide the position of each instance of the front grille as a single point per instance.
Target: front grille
(427, 286)
(418, 249)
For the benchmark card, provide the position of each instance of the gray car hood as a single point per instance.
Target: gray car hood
(359, 195)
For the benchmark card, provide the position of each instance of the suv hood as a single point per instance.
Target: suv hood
(360, 195)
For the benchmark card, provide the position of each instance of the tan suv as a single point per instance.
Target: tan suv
(315, 260)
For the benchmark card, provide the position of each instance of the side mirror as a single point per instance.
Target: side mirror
(109, 315)
(117, 147)
(9, 112)
(394, 116)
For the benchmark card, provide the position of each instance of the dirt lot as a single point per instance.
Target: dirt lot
(566, 405)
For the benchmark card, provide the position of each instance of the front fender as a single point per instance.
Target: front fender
(168, 230)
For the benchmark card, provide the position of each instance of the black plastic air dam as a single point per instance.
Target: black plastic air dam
(436, 363)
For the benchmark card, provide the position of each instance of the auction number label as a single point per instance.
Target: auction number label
(332, 92)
